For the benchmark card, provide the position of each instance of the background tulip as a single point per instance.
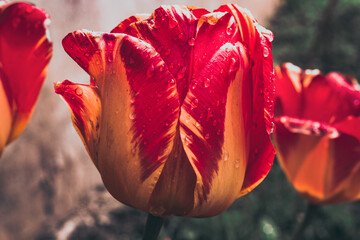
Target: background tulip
(178, 113)
(317, 133)
(25, 52)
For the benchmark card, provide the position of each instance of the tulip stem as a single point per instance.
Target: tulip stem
(304, 223)
(153, 227)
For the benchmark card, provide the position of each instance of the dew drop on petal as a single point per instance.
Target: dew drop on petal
(229, 31)
(233, 66)
(172, 23)
(237, 163)
(195, 103)
(226, 155)
(266, 52)
(189, 140)
(180, 36)
(78, 91)
(150, 71)
(191, 42)
(207, 82)
(193, 87)
(132, 116)
(207, 136)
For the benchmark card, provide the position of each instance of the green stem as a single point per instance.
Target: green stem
(309, 214)
(153, 227)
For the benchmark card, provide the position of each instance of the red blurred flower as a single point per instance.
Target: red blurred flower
(25, 52)
(317, 133)
(178, 114)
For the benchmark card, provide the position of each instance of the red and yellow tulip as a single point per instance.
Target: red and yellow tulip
(317, 133)
(178, 112)
(25, 52)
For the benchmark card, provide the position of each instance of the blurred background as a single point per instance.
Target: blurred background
(49, 188)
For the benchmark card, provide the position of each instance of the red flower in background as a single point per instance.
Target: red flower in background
(25, 52)
(317, 133)
(178, 113)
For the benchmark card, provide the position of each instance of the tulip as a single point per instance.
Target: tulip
(178, 112)
(25, 52)
(317, 133)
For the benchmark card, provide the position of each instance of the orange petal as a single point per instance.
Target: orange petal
(5, 118)
(85, 106)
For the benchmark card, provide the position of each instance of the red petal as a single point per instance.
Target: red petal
(24, 46)
(261, 81)
(288, 85)
(155, 102)
(121, 28)
(171, 32)
(326, 91)
(85, 105)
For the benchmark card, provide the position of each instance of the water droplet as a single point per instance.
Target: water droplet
(266, 52)
(78, 91)
(237, 163)
(189, 139)
(195, 103)
(181, 73)
(162, 67)
(207, 136)
(172, 23)
(180, 36)
(87, 54)
(207, 82)
(233, 65)
(150, 71)
(229, 31)
(226, 155)
(171, 66)
(218, 132)
(191, 42)
(214, 123)
(145, 142)
(132, 116)
(171, 81)
(167, 123)
(193, 87)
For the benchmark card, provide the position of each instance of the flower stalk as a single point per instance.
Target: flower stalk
(152, 227)
(305, 222)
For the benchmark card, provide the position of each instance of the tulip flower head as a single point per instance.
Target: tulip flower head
(178, 113)
(25, 52)
(317, 133)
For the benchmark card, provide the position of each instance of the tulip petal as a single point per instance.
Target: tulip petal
(171, 31)
(288, 85)
(85, 106)
(121, 28)
(211, 139)
(25, 52)
(5, 118)
(326, 91)
(258, 41)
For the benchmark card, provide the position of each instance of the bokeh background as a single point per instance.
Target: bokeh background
(49, 188)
